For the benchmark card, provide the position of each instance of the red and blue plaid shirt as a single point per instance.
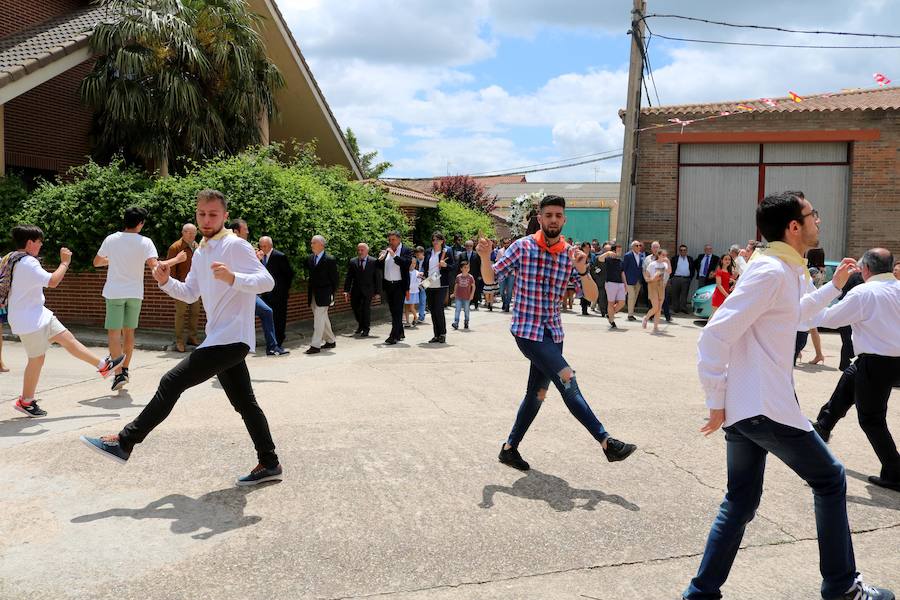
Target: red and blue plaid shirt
(541, 280)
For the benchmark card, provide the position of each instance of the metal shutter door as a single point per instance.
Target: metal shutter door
(717, 205)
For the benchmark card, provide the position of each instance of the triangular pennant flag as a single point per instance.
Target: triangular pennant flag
(795, 97)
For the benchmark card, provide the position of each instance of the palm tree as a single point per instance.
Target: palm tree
(179, 78)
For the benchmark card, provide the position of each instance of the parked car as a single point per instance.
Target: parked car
(701, 302)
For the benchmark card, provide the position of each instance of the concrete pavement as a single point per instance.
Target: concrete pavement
(392, 488)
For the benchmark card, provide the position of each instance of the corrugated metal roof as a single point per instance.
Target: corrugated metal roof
(864, 99)
(28, 50)
(573, 191)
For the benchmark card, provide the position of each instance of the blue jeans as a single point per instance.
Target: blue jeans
(748, 443)
(461, 305)
(546, 363)
(422, 303)
(506, 290)
(268, 323)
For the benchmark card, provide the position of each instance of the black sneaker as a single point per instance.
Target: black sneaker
(119, 381)
(32, 410)
(279, 351)
(512, 458)
(109, 366)
(861, 591)
(110, 449)
(466, 325)
(612, 325)
(454, 325)
(260, 474)
(329, 345)
(390, 341)
(434, 340)
(616, 450)
(823, 433)
(885, 483)
(632, 318)
(442, 339)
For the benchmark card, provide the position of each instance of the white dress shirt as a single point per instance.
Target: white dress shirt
(433, 261)
(873, 311)
(682, 266)
(391, 268)
(230, 309)
(741, 263)
(746, 351)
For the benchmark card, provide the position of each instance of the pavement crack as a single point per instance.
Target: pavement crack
(628, 563)
(682, 469)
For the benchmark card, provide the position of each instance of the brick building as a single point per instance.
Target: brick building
(701, 183)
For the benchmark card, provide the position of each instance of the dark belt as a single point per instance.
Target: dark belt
(681, 276)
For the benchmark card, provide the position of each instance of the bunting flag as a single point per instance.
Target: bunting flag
(881, 79)
(768, 102)
(745, 107)
(795, 97)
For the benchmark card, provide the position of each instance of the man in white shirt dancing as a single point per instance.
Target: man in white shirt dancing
(873, 311)
(746, 353)
(226, 274)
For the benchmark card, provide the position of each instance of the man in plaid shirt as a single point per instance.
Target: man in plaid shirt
(544, 265)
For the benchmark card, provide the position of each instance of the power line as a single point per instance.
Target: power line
(650, 68)
(771, 28)
(584, 162)
(762, 45)
(552, 162)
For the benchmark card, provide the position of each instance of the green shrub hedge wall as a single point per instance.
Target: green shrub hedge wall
(451, 218)
(289, 200)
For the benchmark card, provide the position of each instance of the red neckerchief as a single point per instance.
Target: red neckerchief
(558, 248)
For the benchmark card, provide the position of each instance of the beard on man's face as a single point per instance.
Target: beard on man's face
(550, 232)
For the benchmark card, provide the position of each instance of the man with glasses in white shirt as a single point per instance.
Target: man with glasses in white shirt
(227, 275)
(745, 367)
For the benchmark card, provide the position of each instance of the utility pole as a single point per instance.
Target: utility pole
(625, 228)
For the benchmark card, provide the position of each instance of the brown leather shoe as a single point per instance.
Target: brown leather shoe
(179, 345)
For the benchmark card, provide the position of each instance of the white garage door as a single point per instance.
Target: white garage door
(719, 188)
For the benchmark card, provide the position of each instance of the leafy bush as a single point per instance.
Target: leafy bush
(12, 196)
(288, 198)
(451, 218)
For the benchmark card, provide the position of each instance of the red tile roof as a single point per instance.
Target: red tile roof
(26, 51)
(851, 100)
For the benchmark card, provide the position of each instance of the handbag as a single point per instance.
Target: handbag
(434, 277)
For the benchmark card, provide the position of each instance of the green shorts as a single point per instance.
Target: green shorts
(122, 313)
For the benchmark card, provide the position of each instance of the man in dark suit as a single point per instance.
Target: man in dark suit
(363, 281)
(322, 285)
(705, 266)
(633, 266)
(470, 256)
(280, 268)
(683, 272)
(395, 261)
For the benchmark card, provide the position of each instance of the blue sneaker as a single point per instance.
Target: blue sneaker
(109, 448)
(261, 474)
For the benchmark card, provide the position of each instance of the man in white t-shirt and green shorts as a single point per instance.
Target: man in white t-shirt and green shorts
(125, 253)
(36, 326)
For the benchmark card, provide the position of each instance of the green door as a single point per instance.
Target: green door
(586, 224)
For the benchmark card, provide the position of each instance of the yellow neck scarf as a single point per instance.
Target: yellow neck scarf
(224, 232)
(786, 253)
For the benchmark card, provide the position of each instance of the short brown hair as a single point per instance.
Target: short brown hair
(209, 194)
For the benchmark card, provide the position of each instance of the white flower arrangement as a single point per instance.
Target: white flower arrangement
(519, 210)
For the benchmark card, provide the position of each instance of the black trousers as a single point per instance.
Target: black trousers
(226, 362)
(395, 294)
(362, 309)
(479, 289)
(847, 353)
(868, 383)
(436, 298)
(279, 315)
(680, 289)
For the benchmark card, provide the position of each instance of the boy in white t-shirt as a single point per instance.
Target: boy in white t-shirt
(36, 326)
(125, 253)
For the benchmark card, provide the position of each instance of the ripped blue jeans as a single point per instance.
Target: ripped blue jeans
(547, 363)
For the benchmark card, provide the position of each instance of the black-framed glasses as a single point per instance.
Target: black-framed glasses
(814, 213)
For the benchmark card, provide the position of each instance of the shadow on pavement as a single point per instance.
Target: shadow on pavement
(216, 384)
(115, 401)
(17, 427)
(217, 512)
(880, 497)
(555, 491)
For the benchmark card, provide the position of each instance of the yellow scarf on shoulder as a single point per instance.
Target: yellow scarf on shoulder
(224, 232)
(786, 253)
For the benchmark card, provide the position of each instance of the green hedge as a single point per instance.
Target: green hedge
(451, 218)
(12, 198)
(289, 199)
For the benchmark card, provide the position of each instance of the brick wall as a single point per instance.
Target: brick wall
(22, 14)
(874, 211)
(47, 127)
(79, 301)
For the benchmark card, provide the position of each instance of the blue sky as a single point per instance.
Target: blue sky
(496, 84)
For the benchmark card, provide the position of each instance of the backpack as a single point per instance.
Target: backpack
(7, 263)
